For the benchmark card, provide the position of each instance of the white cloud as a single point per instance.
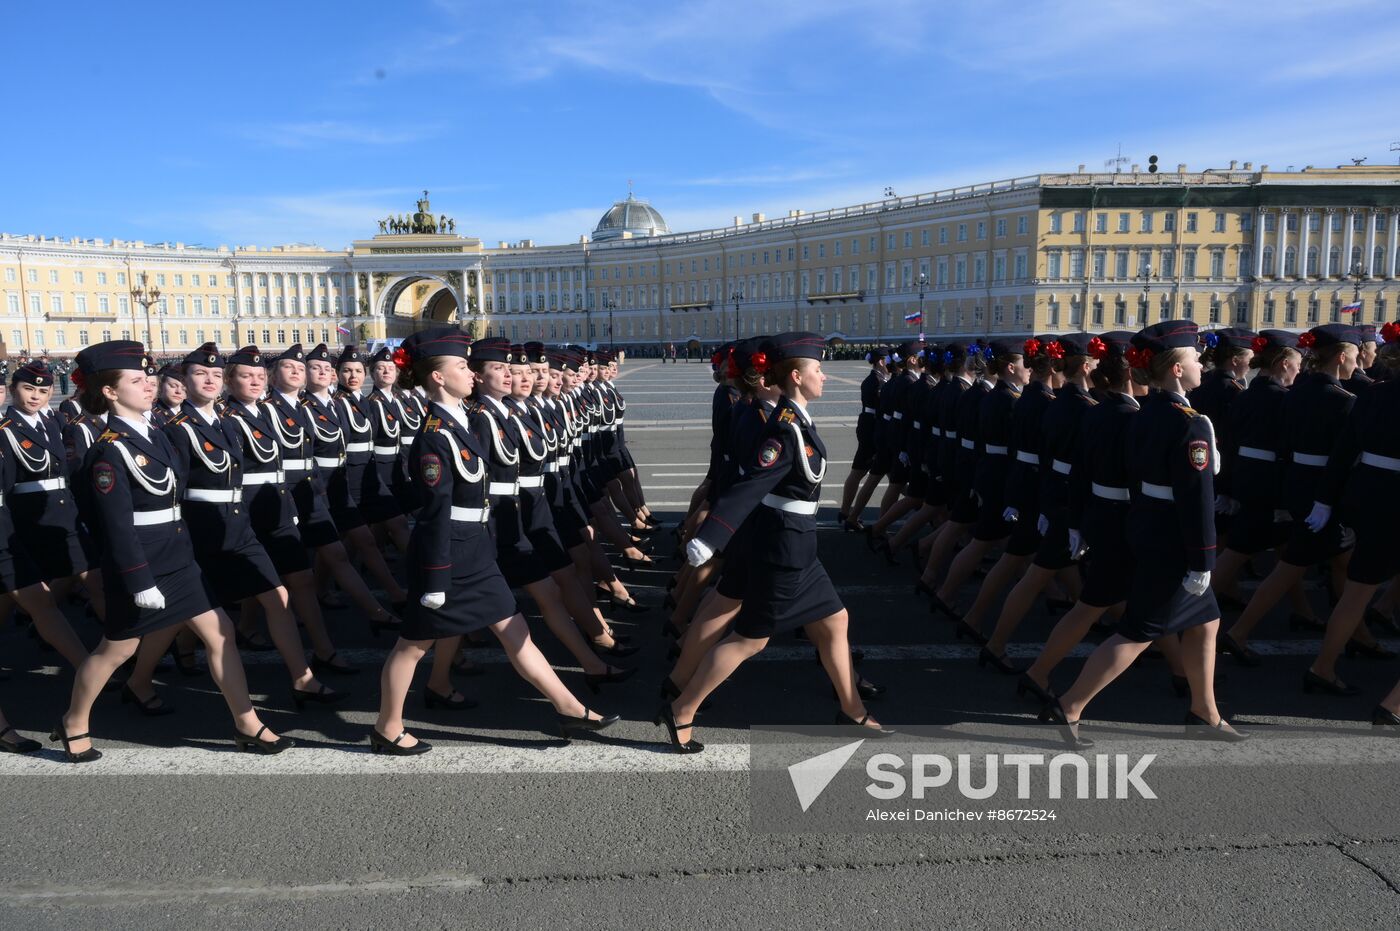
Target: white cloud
(319, 133)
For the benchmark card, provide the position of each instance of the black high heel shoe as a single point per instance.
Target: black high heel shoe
(865, 690)
(595, 679)
(921, 589)
(1381, 621)
(964, 629)
(1198, 728)
(631, 604)
(22, 745)
(670, 692)
(1381, 716)
(151, 707)
(246, 642)
(87, 756)
(878, 731)
(322, 696)
(590, 725)
(1027, 684)
(433, 699)
(665, 715)
(1000, 663)
(632, 562)
(617, 650)
(1368, 650)
(1241, 654)
(329, 667)
(1069, 730)
(386, 621)
(256, 743)
(378, 743)
(939, 606)
(186, 663)
(1312, 682)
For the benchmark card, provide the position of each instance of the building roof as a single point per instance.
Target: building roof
(630, 218)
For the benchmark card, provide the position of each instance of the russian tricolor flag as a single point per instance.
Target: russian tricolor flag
(1351, 308)
(915, 317)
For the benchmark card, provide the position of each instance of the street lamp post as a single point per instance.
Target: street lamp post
(736, 297)
(1146, 276)
(146, 295)
(610, 305)
(1358, 275)
(923, 286)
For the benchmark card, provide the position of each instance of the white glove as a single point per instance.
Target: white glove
(1196, 583)
(1042, 525)
(1010, 514)
(1224, 504)
(698, 552)
(1076, 544)
(1318, 517)
(433, 600)
(1348, 538)
(904, 459)
(151, 599)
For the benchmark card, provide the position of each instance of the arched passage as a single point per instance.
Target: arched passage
(419, 297)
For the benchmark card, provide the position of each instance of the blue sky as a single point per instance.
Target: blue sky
(286, 122)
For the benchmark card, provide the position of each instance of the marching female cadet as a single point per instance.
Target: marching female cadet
(230, 471)
(926, 434)
(299, 430)
(629, 478)
(535, 516)
(11, 741)
(908, 435)
(1227, 355)
(1096, 504)
(724, 397)
(1255, 460)
(500, 435)
(1362, 482)
(604, 463)
(455, 583)
(56, 546)
(365, 436)
(1361, 379)
(332, 441)
(1313, 414)
(619, 462)
(787, 585)
(1171, 460)
(151, 580)
(882, 460)
(986, 465)
(387, 421)
(170, 394)
(865, 437)
(1055, 440)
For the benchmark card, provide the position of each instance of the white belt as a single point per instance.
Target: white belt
(531, 481)
(618, 422)
(1111, 492)
(43, 484)
(386, 450)
(405, 441)
(898, 415)
(263, 478)
(1160, 492)
(149, 518)
(1060, 466)
(214, 495)
(951, 434)
(329, 462)
(551, 467)
(1027, 458)
(789, 505)
(470, 515)
(1389, 463)
(1263, 455)
(296, 465)
(359, 447)
(867, 410)
(918, 426)
(563, 460)
(884, 416)
(968, 444)
(592, 428)
(994, 450)
(501, 488)
(936, 431)
(1308, 459)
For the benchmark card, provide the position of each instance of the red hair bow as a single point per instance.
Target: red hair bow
(1055, 350)
(1032, 347)
(1098, 348)
(1391, 332)
(1307, 340)
(759, 361)
(1260, 343)
(80, 379)
(1139, 358)
(400, 358)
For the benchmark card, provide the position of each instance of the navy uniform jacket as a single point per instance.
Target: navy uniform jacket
(1171, 445)
(1371, 432)
(534, 455)
(933, 431)
(869, 408)
(1256, 423)
(1313, 414)
(209, 457)
(496, 433)
(884, 426)
(71, 410)
(790, 463)
(947, 423)
(1359, 381)
(265, 489)
(993, 444)
(1061, 430)
(968, 424)
(915, 427)
(1022, 477)
(39, 455)
(131, 474)
(723, 399)
(1217, 392)
(1099, 513)
(448, 465)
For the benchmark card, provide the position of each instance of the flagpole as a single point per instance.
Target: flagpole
(923, 284)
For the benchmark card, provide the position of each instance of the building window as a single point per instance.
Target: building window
(1217, 261)
(1101, 223)
(1146, 221)
(1219, 222)
(1268, 259)
(1290, 312)
(962, 232)
(1079, 221)
(1313, 311)
(1001, 230)
(1290, 222)
(1270, 222)
(1053, 309)
(1241, 312)
(981, 229)
(1191, 222)
(56, 304)
(1120, 264)
(1123, 220)
(1312, 261)
(1120, 312)
(1022, 226)
(1314, 222)
(1098, 313)
(1269, 310)
(1055, 223)
(1169, 222)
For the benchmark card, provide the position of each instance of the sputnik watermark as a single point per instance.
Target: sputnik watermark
(1118, 775)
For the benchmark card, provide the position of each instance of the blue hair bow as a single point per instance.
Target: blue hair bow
(987, 353)
(1212, 340)
(947, 357)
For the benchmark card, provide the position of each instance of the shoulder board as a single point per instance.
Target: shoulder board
(786, 415)
(179, 418)
(1188, 411)
(305, 402)
(109, 436)
(1340, 389)
(6, 423)
(432, 423)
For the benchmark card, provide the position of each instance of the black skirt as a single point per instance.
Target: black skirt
(51, 553)
(779, 599)
(477, 597)
(1157, 603)
(186, 596)
(238, 572)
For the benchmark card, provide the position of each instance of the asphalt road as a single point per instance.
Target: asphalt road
(504, 825)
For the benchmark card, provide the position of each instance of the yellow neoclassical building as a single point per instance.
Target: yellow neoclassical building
(1043, 253)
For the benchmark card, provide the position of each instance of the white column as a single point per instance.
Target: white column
(1259, 244)
(1346, 246)
(1304, 222)
(316, 293)
(1368, 257)
(1281, 242)
(1394, 227)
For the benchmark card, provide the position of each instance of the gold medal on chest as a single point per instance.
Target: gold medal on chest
(141, 459)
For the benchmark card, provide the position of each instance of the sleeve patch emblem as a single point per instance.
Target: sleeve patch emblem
(1198, 452)
(769, 453)
(431, 467)
(466, 455)
(104, 477)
